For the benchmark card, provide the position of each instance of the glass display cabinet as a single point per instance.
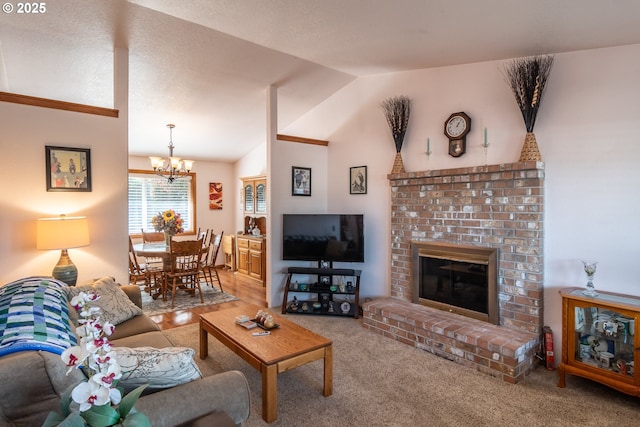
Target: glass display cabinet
(599, 338)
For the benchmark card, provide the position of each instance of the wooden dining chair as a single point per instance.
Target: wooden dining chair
(185, 267)
(209, 266)
(153, 237)
(149, 275)
(137, 275)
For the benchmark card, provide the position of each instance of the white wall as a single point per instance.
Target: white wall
(23, 196)
(285, 155)
(587, 131)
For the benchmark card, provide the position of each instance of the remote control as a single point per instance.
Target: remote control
(258, 334)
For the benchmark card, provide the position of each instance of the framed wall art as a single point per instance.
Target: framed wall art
(358, 180)
(68, 169)
(300, 181)
(215, 196)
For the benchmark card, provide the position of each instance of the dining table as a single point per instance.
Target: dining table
(154, 250)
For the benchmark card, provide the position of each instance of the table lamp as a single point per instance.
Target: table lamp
(63, 233)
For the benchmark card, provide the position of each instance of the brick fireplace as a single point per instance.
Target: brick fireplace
(496, 206)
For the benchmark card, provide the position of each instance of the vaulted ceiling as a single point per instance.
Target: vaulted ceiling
(205, 64)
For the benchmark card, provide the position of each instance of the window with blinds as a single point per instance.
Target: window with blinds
(149, 195)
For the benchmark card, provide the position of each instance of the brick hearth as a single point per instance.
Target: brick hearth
(499, 206)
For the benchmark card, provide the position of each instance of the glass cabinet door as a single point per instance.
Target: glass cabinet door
(248, 198)
(261, 197)
(604, 338)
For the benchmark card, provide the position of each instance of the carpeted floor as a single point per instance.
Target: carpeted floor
(381, 382)
(184, 300)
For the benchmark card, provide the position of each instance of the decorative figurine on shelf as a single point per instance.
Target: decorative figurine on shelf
(590, 269)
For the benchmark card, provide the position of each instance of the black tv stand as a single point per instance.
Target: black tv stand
(332, 299)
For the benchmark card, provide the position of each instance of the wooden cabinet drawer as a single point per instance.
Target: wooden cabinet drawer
(255, 245)
(243, 243)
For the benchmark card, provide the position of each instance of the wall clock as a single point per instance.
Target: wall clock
(456, 128)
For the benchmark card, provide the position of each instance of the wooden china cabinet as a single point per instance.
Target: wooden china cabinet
(600, 338)
(252, 244)
(252, 257)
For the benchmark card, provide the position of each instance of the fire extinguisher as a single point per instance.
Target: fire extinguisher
(548, 348)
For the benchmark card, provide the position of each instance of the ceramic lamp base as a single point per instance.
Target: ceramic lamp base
(65, 270)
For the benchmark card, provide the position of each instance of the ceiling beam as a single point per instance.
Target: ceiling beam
(58, 105)
(302, 140)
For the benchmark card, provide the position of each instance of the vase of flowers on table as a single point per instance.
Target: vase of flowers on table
(96, 402)
(169, 222)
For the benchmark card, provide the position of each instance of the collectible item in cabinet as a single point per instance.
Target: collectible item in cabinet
(599, 338)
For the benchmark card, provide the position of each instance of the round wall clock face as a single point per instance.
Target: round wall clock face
(456, 126)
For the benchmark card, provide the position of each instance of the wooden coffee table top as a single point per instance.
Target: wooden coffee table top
(284, 342)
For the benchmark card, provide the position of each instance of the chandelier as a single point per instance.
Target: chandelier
(172, 168)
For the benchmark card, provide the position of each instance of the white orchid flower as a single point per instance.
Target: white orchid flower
(88, 394)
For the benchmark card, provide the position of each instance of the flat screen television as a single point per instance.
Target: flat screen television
(323, 237)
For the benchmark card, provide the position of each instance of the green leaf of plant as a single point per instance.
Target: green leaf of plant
(129, 400)
(136, 419)
(65, 399)
(101, 416)
(53, 419)
(56, 420)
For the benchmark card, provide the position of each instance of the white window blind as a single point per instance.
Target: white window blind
(149, 195)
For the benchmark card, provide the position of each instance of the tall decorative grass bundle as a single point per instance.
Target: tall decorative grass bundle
(397, 110)
(527, 78)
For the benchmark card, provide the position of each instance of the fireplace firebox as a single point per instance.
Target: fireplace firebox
(459, 279)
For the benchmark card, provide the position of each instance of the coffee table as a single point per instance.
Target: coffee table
(287, 347)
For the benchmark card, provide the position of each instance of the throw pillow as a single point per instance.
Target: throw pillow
(115, 305)
(157, 367)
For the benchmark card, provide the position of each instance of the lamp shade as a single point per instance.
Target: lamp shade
(62, 233)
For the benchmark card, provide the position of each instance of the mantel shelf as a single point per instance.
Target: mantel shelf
(503, 167)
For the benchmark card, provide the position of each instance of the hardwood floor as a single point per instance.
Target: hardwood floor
(245, 289)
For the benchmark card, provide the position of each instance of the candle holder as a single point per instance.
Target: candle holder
(485, 146)
(428, 153)
(590, 269)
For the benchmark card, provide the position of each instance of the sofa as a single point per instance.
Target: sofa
(33, 378)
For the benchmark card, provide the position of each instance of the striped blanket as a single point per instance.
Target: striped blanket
(34, 316)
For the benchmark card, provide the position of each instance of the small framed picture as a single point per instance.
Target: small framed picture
(300, 181)
(68, 169)
(358, 180)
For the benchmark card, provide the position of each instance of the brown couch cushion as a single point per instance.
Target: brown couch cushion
(28, 393)
(134, 326)
(152, 339)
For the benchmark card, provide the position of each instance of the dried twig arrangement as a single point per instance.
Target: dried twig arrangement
(397, 110)
(528, 78)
